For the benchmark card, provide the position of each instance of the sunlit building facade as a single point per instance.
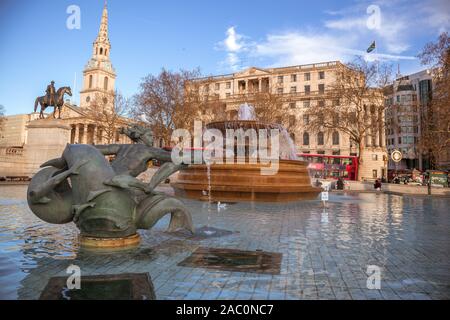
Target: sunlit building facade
(300, 87)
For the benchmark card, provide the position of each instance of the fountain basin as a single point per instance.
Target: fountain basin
(244, 182)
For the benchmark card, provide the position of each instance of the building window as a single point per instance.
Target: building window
(106, 52)
(293, 78)
(306, 104)
(374, 157)
(335, 138)
(321, 88)
(321, 75)
(291, 120)
(306, 139)
(217, 86)
(280, 90)
(305, 119)
(101, 51)
(280, 79)
(88, 99)
(374, 173)
(399, 140)
(293, 89)
(307, 89)
(307, 76)
(321, 103)
(292, 105)
(320, 138)
(90, 81)
(105, 83)
(228, 85)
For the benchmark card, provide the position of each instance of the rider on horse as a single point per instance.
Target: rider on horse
(50, 93)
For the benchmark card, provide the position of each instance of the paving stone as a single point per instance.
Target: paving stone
(406, 237)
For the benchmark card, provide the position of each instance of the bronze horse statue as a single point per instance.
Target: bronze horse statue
(58, 102)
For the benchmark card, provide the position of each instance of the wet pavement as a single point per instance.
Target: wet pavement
(325, 252)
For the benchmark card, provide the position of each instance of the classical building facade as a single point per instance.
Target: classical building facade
(406, 101)
(301, 87)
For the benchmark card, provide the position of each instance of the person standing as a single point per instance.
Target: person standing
(50, 93)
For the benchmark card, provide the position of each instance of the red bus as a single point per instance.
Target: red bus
(324, 166)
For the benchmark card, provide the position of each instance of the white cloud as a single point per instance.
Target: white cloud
(391, 30)
(300, 48)
(292, 48)
(233, 44)
(233, 41)
(345, 34)
(346, 24)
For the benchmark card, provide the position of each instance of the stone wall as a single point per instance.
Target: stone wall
(47, 139)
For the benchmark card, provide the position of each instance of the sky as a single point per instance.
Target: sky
(219, 37)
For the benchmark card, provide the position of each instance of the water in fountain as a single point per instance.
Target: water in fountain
(246, 112)
(287, 147)
(208, 231)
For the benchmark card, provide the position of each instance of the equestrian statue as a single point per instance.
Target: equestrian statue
(52, 99)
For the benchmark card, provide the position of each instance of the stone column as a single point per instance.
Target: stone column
(94, 138)
(85, 133)
(77, 134)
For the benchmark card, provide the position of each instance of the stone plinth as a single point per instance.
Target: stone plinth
(47, 139)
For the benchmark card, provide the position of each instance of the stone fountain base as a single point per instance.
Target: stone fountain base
(244, 182)
(110, 243)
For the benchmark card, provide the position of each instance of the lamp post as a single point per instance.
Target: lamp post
(396, 156)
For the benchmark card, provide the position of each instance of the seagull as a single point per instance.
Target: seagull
(221, 206)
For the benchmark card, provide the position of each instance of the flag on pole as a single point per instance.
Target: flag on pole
(371, 48)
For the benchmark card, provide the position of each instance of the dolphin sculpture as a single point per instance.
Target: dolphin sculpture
(83, 187)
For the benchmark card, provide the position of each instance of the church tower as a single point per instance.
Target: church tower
(99, 75)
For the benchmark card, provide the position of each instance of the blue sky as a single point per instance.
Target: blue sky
(219, 37)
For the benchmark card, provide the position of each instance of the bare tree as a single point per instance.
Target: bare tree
(108, 115)
(354, 103)
(435, 129)
(165, 102)
(2, 117)
(269, 106)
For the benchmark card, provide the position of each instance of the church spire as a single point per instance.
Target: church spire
(99, 75)
(103, 32)
(102, 44)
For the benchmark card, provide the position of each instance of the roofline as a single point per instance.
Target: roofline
(299, 67)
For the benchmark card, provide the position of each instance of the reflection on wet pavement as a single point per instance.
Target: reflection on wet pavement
(234, 260)
(133, 286)
(325, 252)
